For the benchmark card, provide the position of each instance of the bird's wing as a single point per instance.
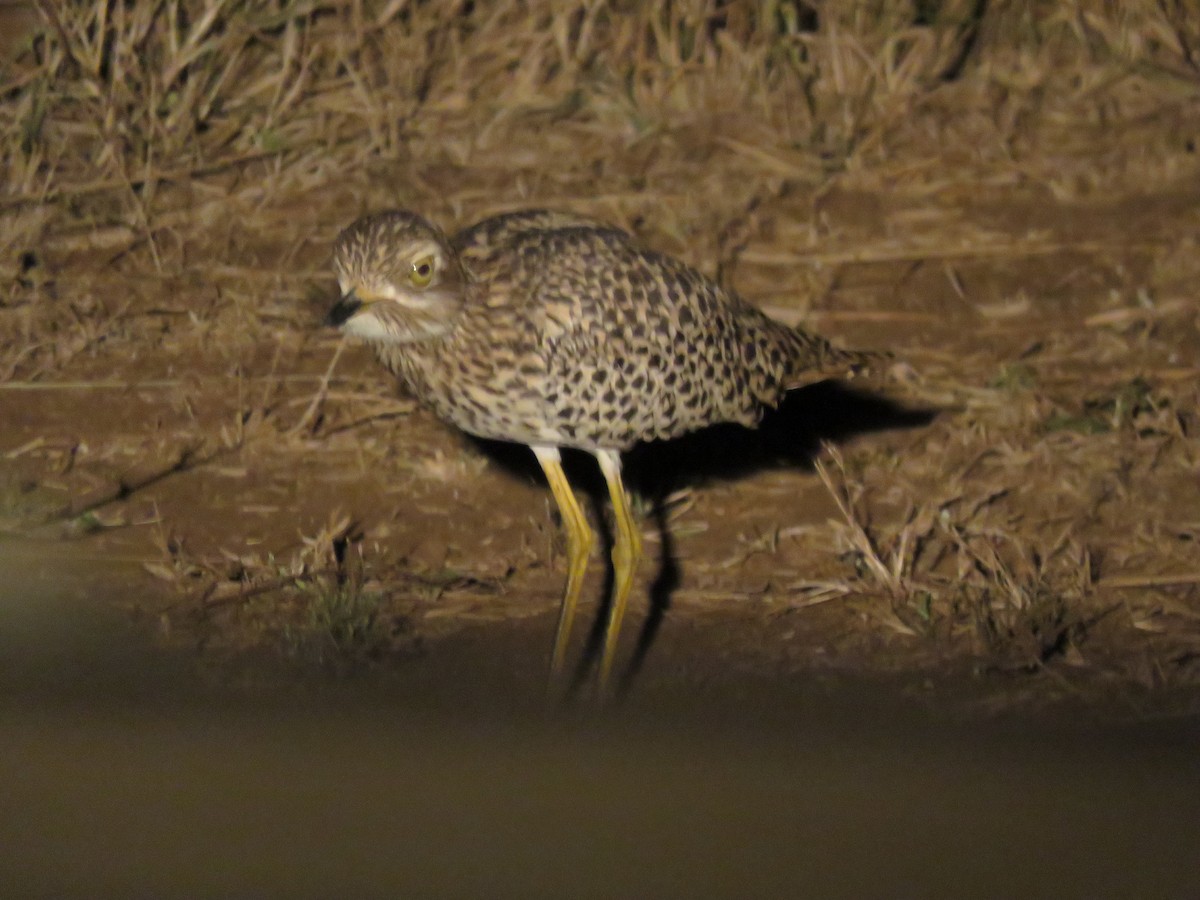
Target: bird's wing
(593, 295)
(591, 285)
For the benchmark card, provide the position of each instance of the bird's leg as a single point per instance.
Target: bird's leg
(579, 545)
(627, 550)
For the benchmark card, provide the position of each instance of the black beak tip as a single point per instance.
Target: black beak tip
(342, 310)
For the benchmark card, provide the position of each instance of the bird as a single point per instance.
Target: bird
(556, 331)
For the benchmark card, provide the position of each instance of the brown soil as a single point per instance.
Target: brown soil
(945, 621)
(1034, 448)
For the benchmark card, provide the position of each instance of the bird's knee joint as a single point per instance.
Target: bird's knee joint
(625, 556)
(579, 546)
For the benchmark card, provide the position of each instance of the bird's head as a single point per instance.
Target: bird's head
(399, 279)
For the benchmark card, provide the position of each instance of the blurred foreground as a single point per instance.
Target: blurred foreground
(127, 773)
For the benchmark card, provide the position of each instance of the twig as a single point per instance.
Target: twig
(122, 488)
(153, 383)
(1127, 315)
(1137, 581)
(817, 592)
(858, 535)
(373, 417)
(910, 252)
(76, 191)
(219, 593)
(319, 396)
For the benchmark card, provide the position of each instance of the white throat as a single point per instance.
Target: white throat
(364, 325)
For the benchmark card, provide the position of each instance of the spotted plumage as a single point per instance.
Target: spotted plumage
(552, 330)
(566, 332)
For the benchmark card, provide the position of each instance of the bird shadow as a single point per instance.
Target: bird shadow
(789, 436)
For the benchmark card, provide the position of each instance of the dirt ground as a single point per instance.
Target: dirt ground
(1010, 508)
(219, 521)
(1037, 432)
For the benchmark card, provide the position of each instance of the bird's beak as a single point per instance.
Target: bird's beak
(347, 305)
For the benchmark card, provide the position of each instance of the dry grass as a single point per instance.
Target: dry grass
(988, 187)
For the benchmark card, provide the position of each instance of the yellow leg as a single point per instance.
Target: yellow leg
(579, 545)
(627, 550)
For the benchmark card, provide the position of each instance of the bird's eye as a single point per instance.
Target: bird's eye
(422, 271)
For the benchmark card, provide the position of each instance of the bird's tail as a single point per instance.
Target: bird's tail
(815, 359)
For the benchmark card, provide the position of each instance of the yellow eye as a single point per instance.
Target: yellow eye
(422, 271)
